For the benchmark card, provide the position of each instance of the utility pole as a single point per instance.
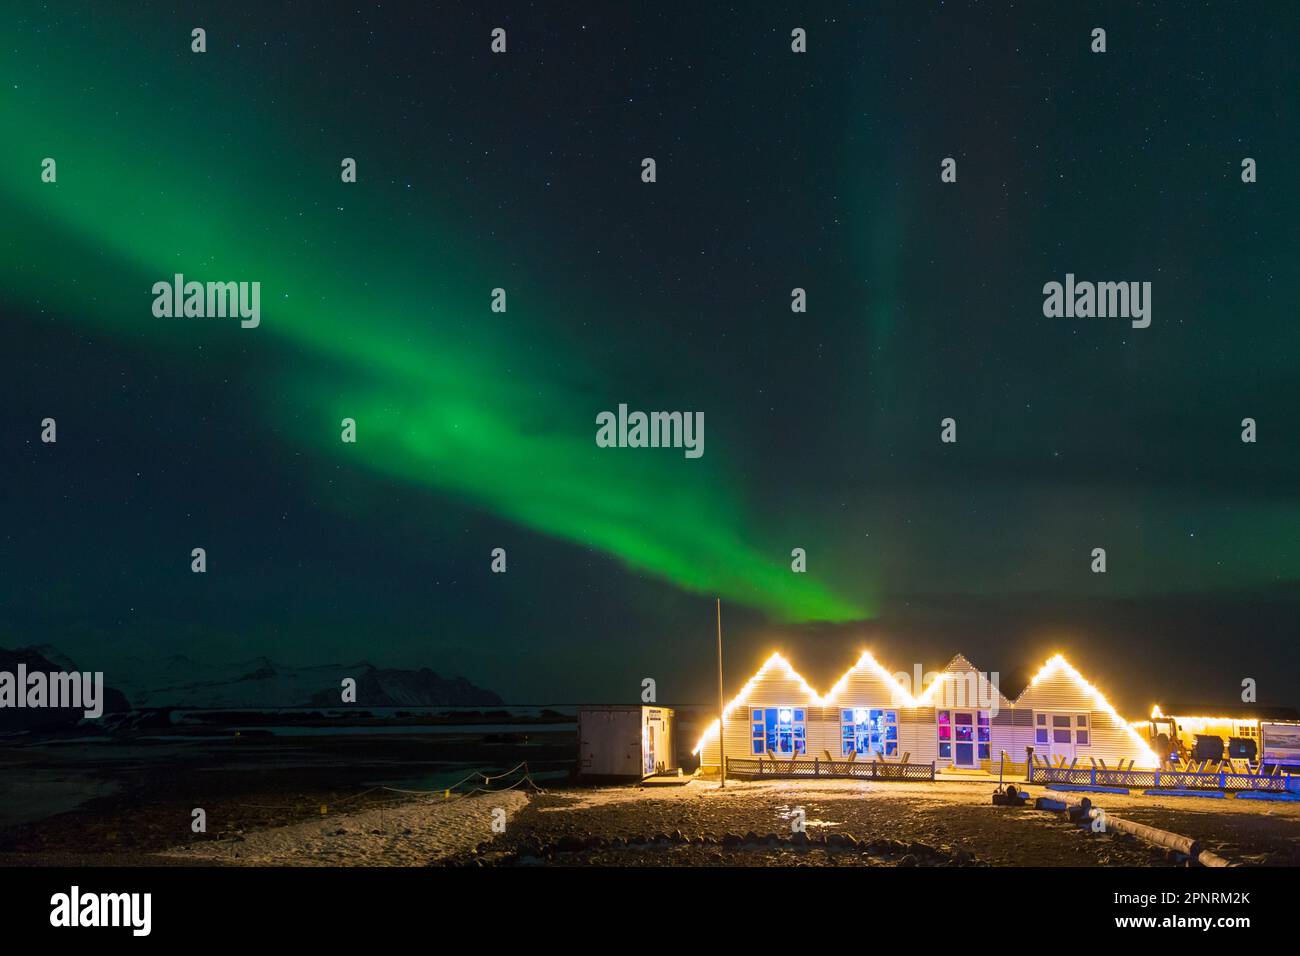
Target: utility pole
(722, 747)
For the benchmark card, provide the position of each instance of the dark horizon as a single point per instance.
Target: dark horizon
(1013, 641)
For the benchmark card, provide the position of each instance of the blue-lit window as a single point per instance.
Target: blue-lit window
(865, 730)
(778, 730)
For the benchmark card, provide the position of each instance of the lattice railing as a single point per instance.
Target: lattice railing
(1159, 779)
(757, 767)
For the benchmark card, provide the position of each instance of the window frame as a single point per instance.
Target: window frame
(880, 728)
(1076, 724)
(768, 725)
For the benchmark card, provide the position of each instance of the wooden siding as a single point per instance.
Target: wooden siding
(1011, 727)
(1109, 739)
(917, 735)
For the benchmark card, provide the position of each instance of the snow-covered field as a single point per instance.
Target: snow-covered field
(409, 833)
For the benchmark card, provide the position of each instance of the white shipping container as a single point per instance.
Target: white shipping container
(624, 741)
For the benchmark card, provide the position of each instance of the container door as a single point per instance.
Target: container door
(648, 752)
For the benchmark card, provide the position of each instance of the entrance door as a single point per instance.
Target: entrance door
(963, 743)
(648, 754)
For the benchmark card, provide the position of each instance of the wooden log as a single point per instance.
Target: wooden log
(1172, 841)
(1079, 809)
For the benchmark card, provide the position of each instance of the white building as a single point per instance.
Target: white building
(961, 721)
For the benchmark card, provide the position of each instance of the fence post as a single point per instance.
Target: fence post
(1092, 776)
(816, 767)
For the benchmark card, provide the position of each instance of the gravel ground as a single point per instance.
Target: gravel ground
(274, 819)
(925, 824)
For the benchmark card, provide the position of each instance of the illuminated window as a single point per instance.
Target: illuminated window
(969, 730)
(867, 731)
(1062, 729)
(778, 730)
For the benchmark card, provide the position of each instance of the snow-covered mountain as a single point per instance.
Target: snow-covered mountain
(180, 681)
(46, 659)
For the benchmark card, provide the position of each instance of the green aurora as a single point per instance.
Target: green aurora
(361, 328)
(822, 429)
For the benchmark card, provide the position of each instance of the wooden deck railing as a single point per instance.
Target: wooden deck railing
(777, 767)
(1159, 779)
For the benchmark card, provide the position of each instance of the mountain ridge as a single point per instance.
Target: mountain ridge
(179, 681)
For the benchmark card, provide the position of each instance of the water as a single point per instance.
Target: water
(297, 730)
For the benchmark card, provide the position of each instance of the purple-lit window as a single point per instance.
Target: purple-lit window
(965, 732)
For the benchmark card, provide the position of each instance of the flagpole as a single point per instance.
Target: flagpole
(722, 749)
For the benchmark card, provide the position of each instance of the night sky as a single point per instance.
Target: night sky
(476, 429)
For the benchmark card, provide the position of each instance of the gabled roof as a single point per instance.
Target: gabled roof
(1058, 666)
(775, 663)
(867, 664)
(937, 693)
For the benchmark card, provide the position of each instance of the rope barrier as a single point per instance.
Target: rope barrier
(527, 778)
(446, 791)
(478, 789)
